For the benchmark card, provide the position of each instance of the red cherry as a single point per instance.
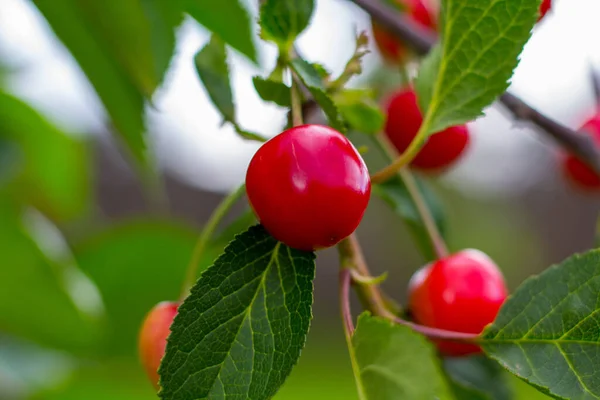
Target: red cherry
(576, 170)
(392, 49)
(404, 119)
(544, 8)
(461, 293)
(153, 337)
(309, 187)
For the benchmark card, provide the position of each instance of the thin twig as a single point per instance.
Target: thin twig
(421, 40)
(206, 235)
(345, 280)
(434, 333)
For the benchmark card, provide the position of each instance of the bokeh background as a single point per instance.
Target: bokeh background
(86, 248)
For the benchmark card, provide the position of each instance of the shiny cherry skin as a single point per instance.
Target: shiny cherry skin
(576, 170)
(309, 187)
(404, 118)
(544, 8)
(462, 293)
(392, 49)
(153, 337)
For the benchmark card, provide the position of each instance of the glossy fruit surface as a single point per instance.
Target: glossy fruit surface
(392, 49)
(544, 8)
(576, 170)
(404, 119)
(462, 293)
(308, 186)
(153, 337)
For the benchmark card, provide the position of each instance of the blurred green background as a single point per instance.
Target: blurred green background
(112, 158)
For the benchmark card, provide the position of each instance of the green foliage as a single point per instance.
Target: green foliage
(54, 176)
(282, 20)
(360, 111)
(124, 49)
(477, 378)
(471, 66)
(547, 331)
(271, 90)
(241, 330)
(395, 363)
(395, 193)
(310, 76)
(33, 301)
(212, 68)
(136, 265)
(226, 18)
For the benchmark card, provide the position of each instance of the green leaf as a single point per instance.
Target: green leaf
(34, 304)
(282, 20)
(396, 363)
(395, 193)
(55, 168)
(470, 67)
(212, 68)
(124, 48)
(477, 378)
(547, 331)
(270, 90)
(228, 19)
(241, 330)
(311, 78)
(360, 111)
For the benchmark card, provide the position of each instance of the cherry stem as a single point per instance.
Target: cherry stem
(345, 280)
(439, 246)
(351, 258)
(207, 233)
(296, 102)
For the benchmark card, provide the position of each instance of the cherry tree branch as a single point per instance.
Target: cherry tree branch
(421, 40)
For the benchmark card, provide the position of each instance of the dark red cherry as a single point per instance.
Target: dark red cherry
(462, 293)
(308, 186)
(576, 170)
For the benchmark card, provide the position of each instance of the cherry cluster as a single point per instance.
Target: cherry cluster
(309, 187)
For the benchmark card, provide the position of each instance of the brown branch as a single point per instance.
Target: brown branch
(421, 40)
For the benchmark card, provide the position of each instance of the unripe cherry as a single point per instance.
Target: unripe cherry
(153, 337)
(392, 49)
(404, 118)
(576, 170)
(308, 186)
(462, 293)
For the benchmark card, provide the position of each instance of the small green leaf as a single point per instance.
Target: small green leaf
(311, 78)
(396, 363)
(470, 67)
(395, 193)
(547, 331)
(242, 328)
(227, 19)
(270, 90)
(55, 167)
(360, 111)
(212, 68)
(282, 20)
(477, 378)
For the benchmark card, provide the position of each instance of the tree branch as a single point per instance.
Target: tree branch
(421, 40)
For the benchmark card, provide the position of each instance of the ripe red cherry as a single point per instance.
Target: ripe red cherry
(462, 293)
(404, 119)
(544, 8)
(153, 337)
(392, 49)
(576, 170)
(309, 187)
